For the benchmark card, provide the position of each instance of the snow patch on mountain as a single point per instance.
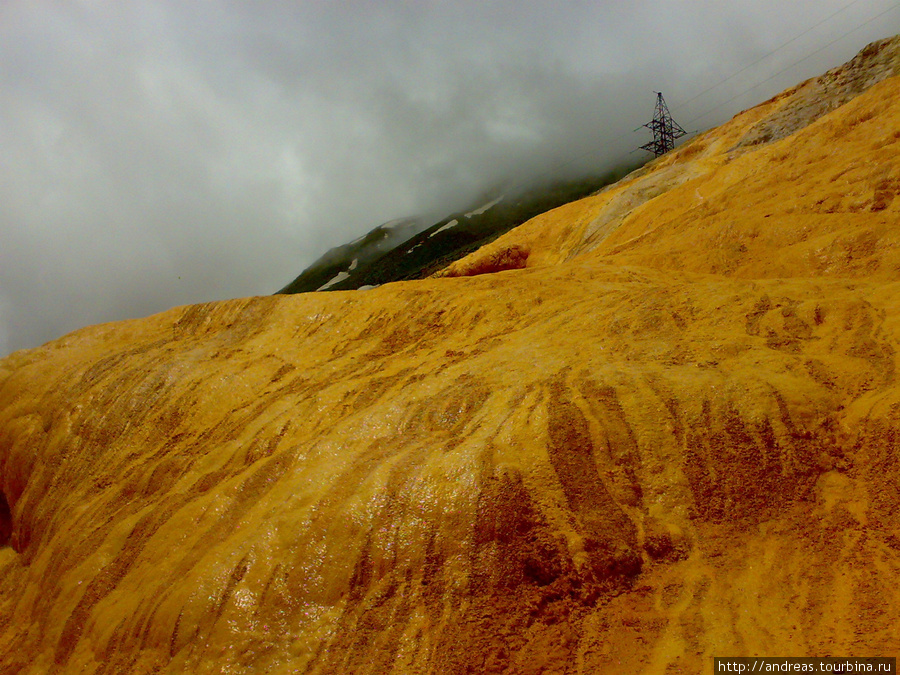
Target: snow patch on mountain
(336, 280)
(482, 209)
(340, 276)
(445, 227)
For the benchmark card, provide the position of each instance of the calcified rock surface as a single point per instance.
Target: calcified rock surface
(671, 432)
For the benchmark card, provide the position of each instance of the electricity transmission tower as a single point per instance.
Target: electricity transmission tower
(665, 129)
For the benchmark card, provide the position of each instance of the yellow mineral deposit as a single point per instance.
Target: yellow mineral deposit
(643, 429)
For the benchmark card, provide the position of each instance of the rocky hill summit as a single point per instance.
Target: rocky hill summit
(645, 428)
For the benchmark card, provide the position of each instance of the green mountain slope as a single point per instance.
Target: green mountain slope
(402, 250)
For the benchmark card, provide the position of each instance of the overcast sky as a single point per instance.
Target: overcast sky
(155, 153)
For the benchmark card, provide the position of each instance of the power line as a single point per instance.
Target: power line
(786, 68)
(622, 136)
(777, 49)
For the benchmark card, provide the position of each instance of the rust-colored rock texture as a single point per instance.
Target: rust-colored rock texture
(649, 427)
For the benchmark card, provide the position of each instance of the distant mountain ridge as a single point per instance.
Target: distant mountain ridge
(402, 250)
(341, 262)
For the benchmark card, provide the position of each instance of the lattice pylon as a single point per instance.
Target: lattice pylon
(665, 129)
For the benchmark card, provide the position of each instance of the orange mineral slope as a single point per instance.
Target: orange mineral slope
(672, 434)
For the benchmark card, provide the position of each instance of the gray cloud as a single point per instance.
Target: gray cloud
(157, 153)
